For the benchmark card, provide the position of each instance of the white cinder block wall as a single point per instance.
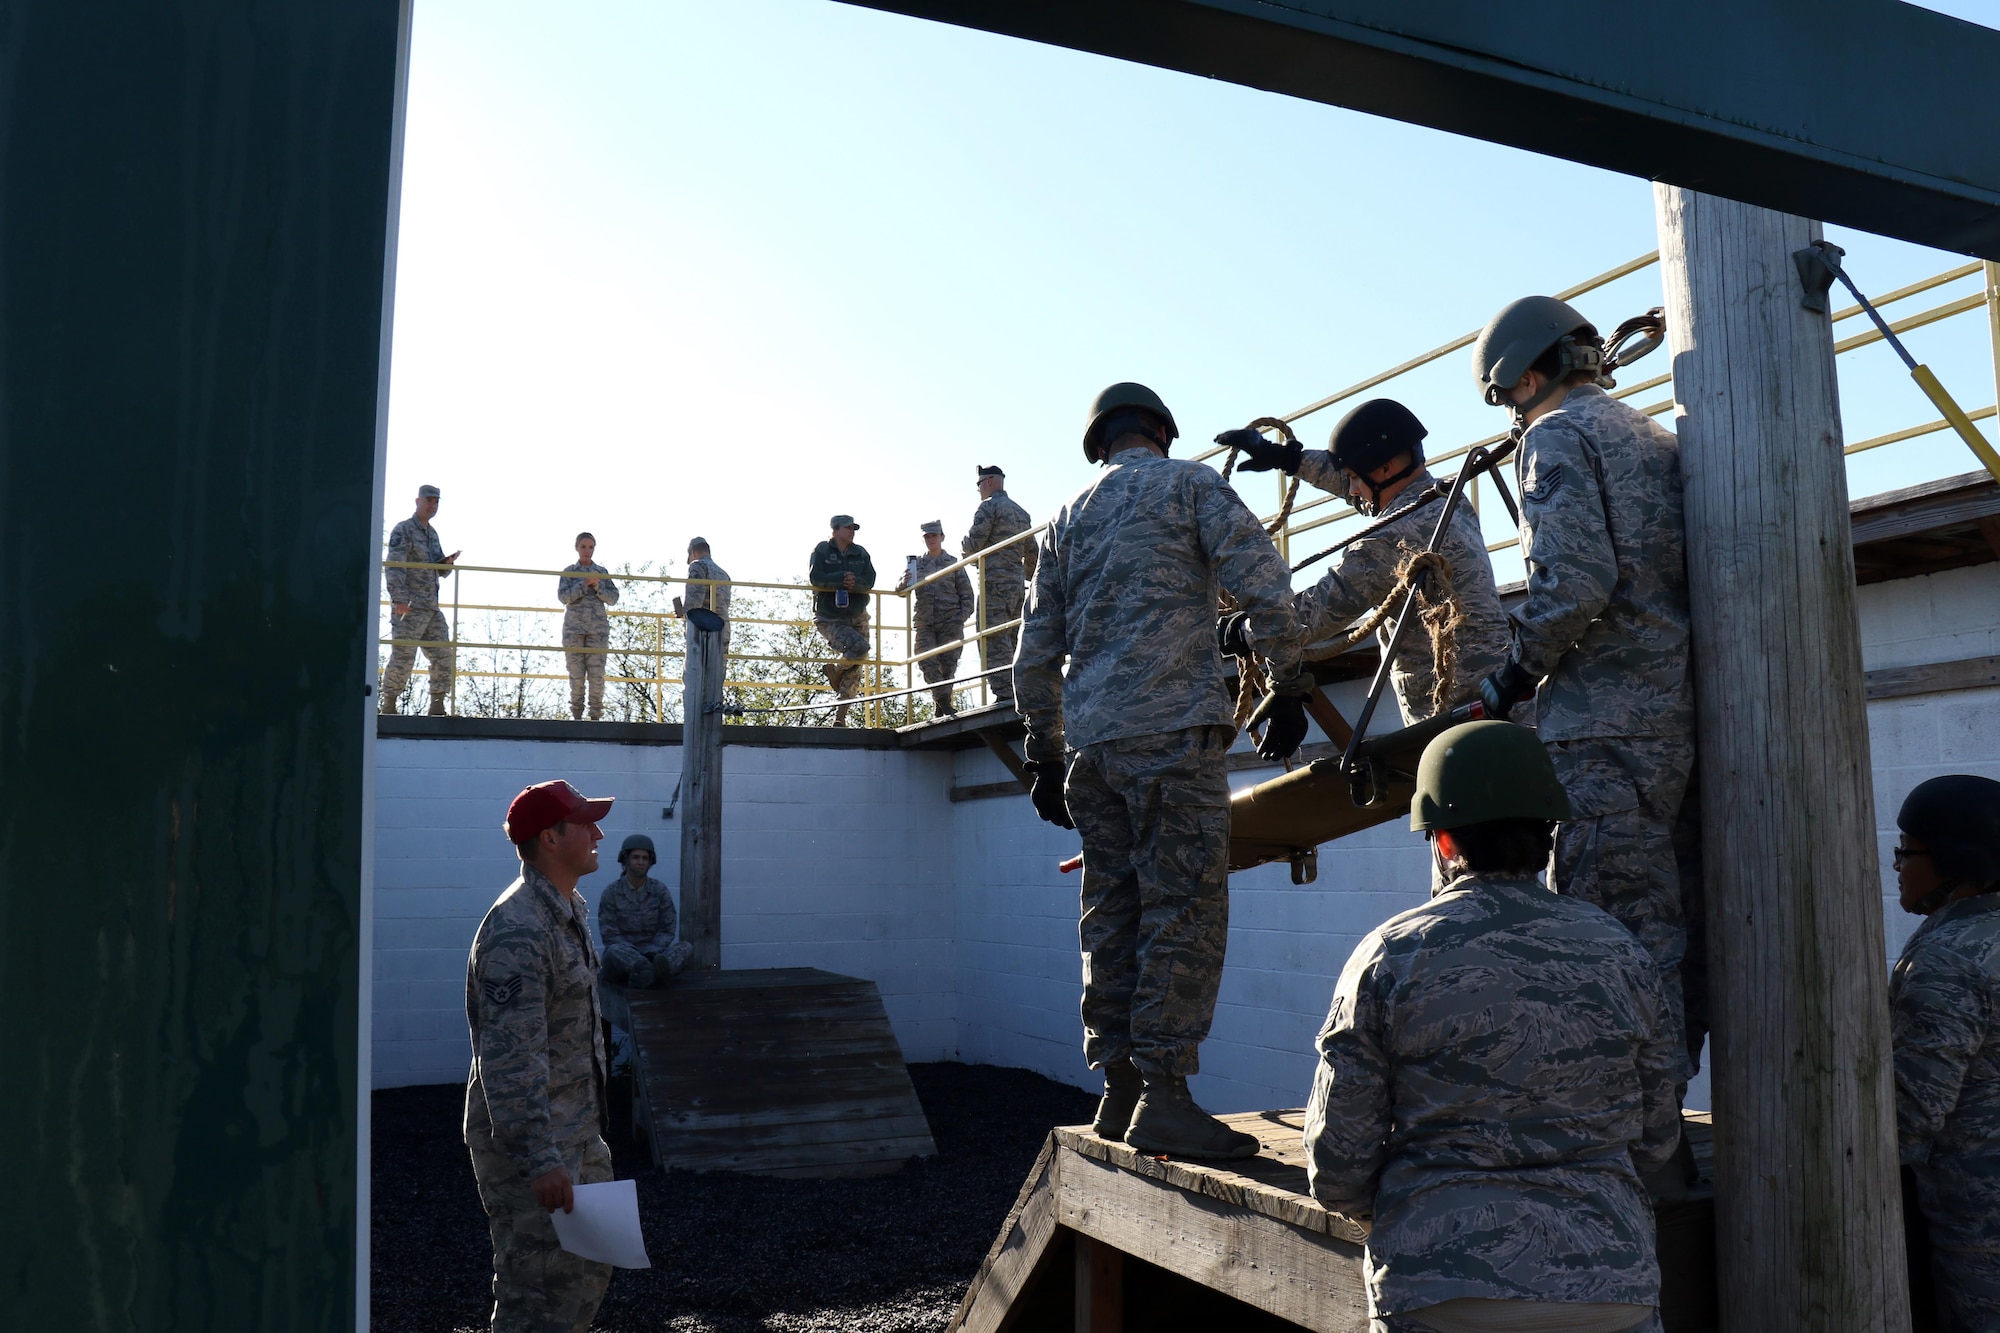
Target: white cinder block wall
(857, 861)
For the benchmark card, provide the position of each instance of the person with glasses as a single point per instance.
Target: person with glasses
(1944, 1007)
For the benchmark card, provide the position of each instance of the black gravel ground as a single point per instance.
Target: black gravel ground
(731, 1253)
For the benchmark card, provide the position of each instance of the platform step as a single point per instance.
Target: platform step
(773, 1071)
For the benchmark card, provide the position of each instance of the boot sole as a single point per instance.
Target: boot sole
(1156, 1148)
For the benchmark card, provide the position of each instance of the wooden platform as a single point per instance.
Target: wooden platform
(1106, 1240)
(776, 1072)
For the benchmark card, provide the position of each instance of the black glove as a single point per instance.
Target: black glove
(1284, 719)
(1047, 793)
(1505, 688)
(1232, 634)
(1259, 454)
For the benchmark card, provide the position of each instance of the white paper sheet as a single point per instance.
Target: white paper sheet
(605, 1225)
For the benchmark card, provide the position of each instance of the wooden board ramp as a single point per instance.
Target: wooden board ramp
(1106, 1240)
(776, 1072)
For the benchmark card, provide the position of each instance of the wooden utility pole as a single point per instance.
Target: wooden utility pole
(701, 789)
(1808, 1213)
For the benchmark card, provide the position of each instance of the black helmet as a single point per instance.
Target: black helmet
(637, 842)
(1372, 434)
(1125, 407)
(1958, 817)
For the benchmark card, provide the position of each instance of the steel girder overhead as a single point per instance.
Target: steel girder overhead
(1868, 113)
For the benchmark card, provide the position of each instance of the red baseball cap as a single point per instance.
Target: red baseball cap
(547, 804)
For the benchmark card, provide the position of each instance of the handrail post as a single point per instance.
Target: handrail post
(701, 796)
(1990, 274)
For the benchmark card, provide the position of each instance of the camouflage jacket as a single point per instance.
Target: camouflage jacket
(1494, 1074)
(1363, 574)
(1944, 1013)
(713, 596)
(586, 614)
(537, 1083)
(414, 539)
(997, 519)
(644, 917)
(1606, 617)
(829, 566)
(1126, 588)
(946, 604)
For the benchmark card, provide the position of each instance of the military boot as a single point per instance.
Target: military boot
(388, 705)
(437, 705)
(1168, 1122)
(1122, 1085)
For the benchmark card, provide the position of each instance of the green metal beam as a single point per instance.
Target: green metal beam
(1868, 113)
(194, 205)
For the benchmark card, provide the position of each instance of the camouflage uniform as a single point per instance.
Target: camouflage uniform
(1127, 587)
(1606, 622)
(1004, 580)
(939, 615)
(535, 1099)
(639, 927)
(710, 596)
(415, 540)
(1944, 1002)
(586, 624)
(1494, 1076)
(844, 629)
(1362, 576)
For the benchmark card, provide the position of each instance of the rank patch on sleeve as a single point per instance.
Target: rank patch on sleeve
(1544, 487)
(500, 994)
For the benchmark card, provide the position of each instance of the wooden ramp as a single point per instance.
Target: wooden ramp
(1106, 1240)
(776, 1072)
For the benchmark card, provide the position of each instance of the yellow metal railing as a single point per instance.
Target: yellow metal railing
(890, 677)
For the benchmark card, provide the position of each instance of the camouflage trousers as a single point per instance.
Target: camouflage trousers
(625, 965)
(1966, 1287)
(427, 623)
(538, 1287)
(849, 638)
(942, 667)
(587, 670)
(1005, 594)
(1154, 815)
(1617, 849)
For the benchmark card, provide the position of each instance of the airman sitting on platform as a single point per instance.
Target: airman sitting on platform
(1495, 1072)
(640, 925)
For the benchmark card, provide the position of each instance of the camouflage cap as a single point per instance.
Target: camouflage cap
(697, 543)
(842, 521)
(935, 527)
(427, 493)
(990, 471)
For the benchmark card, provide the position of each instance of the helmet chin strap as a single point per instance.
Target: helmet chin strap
(1575, 356)
(1373, 504)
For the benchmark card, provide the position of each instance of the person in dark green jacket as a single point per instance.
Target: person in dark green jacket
(842, 575)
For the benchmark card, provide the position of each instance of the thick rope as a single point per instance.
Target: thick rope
(1437, 609)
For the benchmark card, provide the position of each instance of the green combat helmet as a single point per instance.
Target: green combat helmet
(1513, 339)
(1482, 771)
(637, 842)
(1121, 406)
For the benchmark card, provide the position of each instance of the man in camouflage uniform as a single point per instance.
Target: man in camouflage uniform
(842, 573)
(586, 591)
(1126, 588)
(1495, 1074)
(1604, 629)
(1376, 460)
(712, 596)
(1944, 1002)
(413, 603)
(1004, 584)
(939, 613)
(640, 926)
(534, 1104)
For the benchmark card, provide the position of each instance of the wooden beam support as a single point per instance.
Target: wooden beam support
(1100, 1287)
(1004, 748)
(1809, 1217)
(701, 797)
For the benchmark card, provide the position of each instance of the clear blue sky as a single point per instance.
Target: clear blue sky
(671, 267)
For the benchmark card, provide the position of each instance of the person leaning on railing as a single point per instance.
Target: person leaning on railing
(842, 575)
(939, 613)
(1004, 581)
(712, 596)
(586, 591)
(413, 602)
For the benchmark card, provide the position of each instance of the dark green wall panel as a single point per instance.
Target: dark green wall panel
(193, 210)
